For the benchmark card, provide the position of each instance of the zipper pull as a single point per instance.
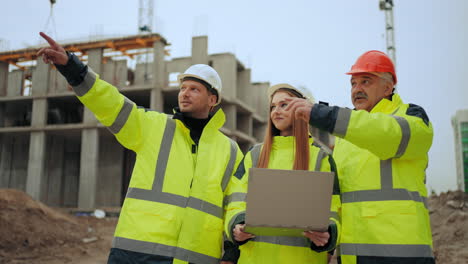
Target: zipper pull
(194, 148)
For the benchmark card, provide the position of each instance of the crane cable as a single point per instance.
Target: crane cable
(51, 20)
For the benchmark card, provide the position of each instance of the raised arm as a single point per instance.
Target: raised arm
(405, 134)
(119, 114)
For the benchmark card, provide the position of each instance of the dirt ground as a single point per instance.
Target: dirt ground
(449, 221)
(31, 232)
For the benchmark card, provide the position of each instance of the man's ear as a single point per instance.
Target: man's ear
(212, 99)
(388, 89)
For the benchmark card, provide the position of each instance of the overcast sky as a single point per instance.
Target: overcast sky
(309, 42)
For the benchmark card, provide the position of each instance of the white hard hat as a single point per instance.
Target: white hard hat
(204, 73)
(301, 91)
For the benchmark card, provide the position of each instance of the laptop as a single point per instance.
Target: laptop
(287, 202)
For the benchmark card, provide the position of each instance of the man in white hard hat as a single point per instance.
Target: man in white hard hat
(173, 211)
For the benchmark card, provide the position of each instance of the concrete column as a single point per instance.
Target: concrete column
(58, 83)
(3, 77)
(226, 66)
(244, 123)
(89, 145)
(258, 131)
(109, 183)
(35, 179)
(115, 73)
(244, 88)
(88, 168)
(41, 78)
(6, 150)
(2, 114)
(121, 73)
(262, 101)
(19, 163)
(200, 50)
(54, 164)
(39, 113)
(95, 63)
(71, 172)
(231, 116)
(15, 83)
(160, 77)
(95, 59)
(37, 146)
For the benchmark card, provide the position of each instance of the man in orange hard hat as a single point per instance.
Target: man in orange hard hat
(381, 155)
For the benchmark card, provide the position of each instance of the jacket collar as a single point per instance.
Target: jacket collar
(386, 106)
(280, 142)
(217, 118)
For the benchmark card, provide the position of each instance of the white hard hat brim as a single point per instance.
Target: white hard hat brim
(276, 87)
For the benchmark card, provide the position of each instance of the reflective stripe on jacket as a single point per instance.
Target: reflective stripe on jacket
(174, 203)
(381, 158)
(263, 249)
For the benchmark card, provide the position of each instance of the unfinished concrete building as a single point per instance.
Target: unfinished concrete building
(55, 150)
(460, 132)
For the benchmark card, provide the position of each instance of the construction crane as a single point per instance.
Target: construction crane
(387, 7)
(145, 17)
(145, 26)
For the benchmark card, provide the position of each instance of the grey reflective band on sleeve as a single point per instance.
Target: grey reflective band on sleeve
(386, 250)
(334, 215)
(231, 223)
(318, 162)
(235, 197)
(122, 117)
(382, 195)
(283, 240)
(255, 154)
(342, 122)
(87, 84)
(405, 135)
(157, 195)
(230, 167)
(163, 250)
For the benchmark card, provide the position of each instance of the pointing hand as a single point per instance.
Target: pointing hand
(54, 53)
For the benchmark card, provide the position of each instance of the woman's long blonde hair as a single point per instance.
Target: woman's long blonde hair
(300, 133)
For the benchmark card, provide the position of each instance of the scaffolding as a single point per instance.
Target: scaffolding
(129, 46)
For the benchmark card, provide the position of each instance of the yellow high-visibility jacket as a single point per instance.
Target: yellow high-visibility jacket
(381, 157)
(267, 249)
(174, 203)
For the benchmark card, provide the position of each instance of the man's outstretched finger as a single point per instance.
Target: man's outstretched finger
(49, 40)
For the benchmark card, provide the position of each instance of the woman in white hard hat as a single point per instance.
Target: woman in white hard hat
(287, 145)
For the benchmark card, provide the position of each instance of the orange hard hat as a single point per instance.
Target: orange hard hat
(373, 61)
